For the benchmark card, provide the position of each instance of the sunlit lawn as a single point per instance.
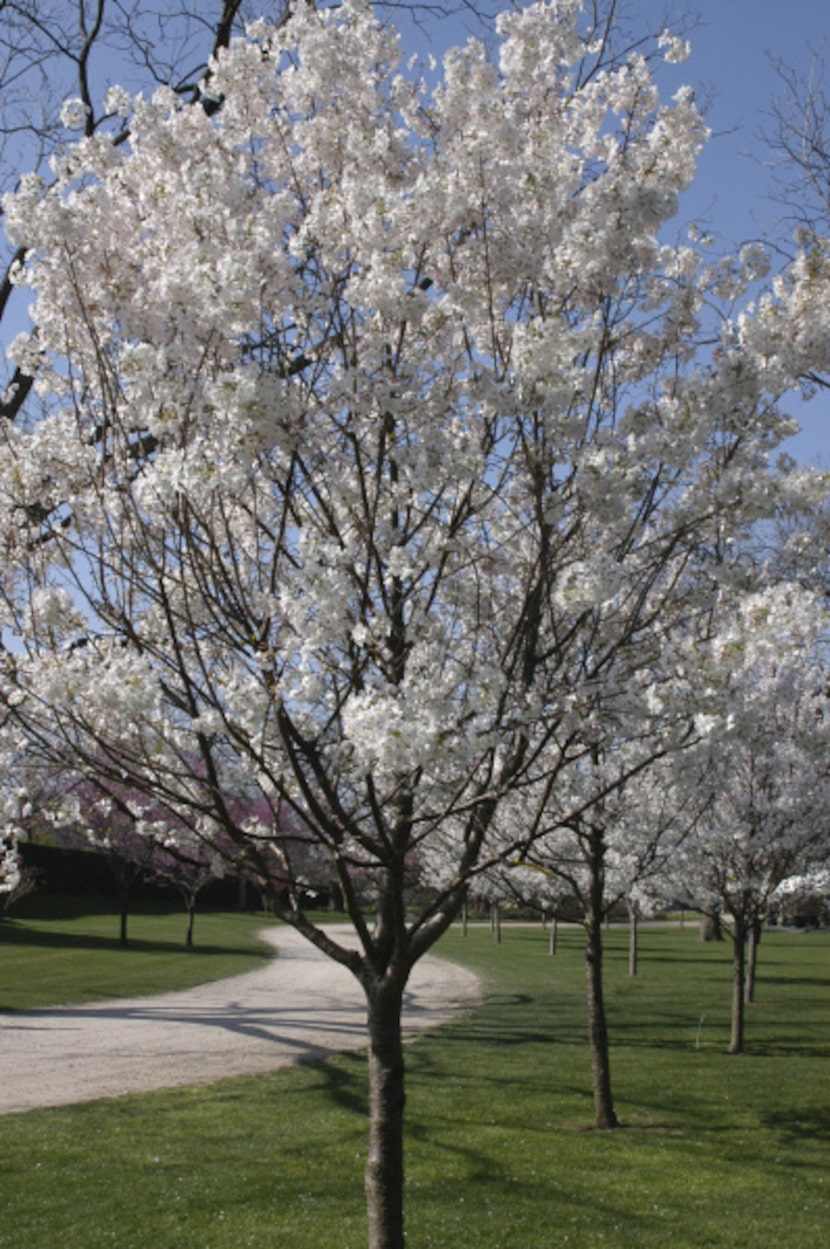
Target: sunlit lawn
(716, 1151)
(64, 950)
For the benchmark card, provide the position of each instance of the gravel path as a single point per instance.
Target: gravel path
(300, 1006)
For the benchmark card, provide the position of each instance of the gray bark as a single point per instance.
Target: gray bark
(736, 1040)
(604, 1113)
(384, 1164)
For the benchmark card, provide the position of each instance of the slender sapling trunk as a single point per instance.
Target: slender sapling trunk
(604, 1114)
(632, 939)
(752, 962)
(736, 1040)
(384, 1164)
(710, 927)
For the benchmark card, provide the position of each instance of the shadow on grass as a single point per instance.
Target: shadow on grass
(788, 978)
(13, 933)
(784, 1049)
(344, 1081)
(796, 1124)
(482, 1025)
(695, 960)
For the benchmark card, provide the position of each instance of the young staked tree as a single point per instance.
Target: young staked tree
(348, 385)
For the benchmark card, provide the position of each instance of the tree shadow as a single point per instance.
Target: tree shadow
(13, 934)
(480, 1026)
(796, 1124)
(785, 1049)
(345, 1081)
(771, 977)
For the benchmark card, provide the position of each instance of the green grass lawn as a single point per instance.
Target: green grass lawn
(66, 950)
(716, 1151)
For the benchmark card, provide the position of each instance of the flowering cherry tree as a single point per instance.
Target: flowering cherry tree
(605, 834)
(15, 808)
(760, 775)
(808, 892)
(375, 446)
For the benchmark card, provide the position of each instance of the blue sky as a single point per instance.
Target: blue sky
(735, 45)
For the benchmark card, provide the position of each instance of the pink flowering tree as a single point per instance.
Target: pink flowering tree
(188, 867)
(142, 840)
(380, 431)
(139, 847)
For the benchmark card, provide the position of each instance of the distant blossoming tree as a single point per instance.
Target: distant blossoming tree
(9, 864)
(602, 840)
(760, 776)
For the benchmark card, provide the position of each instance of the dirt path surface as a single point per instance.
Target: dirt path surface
(299, 1006)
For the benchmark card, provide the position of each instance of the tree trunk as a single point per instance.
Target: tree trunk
(495, 921)
(632, 940)
(191, 917)
(736, 1040)
(710, 928)
(384, 1164)
(605, 1117)
(123, 885)
(752, 962)
(554, 932)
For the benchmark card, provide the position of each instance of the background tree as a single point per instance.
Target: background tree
(90, 816)
(382, 442)
(186, 865)
(617, 824)
(807, 893)
(761, 772)
(9, 864)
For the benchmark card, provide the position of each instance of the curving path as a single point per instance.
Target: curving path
(300, 1006)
